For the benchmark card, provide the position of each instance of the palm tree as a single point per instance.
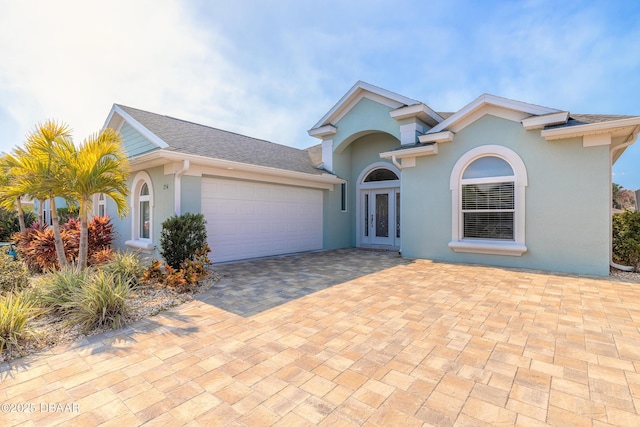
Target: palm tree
(10, 189)
(43, 173)
(99, 165)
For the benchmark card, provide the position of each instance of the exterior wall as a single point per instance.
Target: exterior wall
(134, 143)
(365, 117)
(161, 208)
(340, 227)
(567, 200)
(190, 194)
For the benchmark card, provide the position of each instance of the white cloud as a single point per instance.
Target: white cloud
(71, 60)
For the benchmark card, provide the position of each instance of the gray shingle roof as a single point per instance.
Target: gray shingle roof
(192, 138)
(585, 119)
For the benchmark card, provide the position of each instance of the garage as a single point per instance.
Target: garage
(248, 219)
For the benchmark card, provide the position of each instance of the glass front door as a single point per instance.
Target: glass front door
(381, 221)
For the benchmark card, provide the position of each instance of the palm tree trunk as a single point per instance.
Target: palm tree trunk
(57, 237)
(41, 213)
(84, 235)
(23, 227)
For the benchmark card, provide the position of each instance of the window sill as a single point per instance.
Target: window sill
(142, 245)
(492, 247)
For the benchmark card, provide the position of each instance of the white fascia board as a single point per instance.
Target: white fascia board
(420, 111)
(322, 131)
(539, 122)
(136, 125)
(356, 90)
(426, 150)
(163, 156)
(487, 99)
(444, 136)
(591, 128)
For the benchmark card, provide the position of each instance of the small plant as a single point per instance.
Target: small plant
(58, 288)
(153, 273)
(17, 310)
(102, 301)
(194, 270)
(101, 257)
(175, 279)
(13, 274)
(126, 265)
(181, 236)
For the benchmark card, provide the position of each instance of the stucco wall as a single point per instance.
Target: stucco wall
(567, 200)
(162, 207)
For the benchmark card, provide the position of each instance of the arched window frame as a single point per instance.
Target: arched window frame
(515, 247)
(138, 241)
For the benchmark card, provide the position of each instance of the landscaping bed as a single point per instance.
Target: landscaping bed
(144, 301)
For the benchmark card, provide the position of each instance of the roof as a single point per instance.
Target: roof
(191, 138)
(585, 119)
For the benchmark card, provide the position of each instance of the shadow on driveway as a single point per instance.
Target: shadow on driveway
(251, 287)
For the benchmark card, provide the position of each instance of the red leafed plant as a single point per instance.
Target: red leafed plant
(37, 246)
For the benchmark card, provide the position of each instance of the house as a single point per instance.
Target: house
(499, 182)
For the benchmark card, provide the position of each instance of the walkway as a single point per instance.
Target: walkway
(399, 342)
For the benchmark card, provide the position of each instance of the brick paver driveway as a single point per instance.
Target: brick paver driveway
(396, 343)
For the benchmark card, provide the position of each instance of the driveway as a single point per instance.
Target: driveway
(361, 338)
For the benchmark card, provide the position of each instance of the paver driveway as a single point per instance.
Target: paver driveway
(406, 343)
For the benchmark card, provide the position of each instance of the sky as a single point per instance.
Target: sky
(271, 69)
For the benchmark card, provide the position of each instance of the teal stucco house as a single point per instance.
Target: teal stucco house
(499, 182)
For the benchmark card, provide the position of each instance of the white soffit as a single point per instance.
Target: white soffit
(425, 150)
(444, 136)
(612, 126)
(484, 100)
(421, 111)
(539, 122)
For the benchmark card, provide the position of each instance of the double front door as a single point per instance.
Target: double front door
(380, 223)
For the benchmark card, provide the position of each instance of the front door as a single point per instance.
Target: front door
(381, 222)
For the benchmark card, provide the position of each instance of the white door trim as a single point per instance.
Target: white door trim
(362, 186)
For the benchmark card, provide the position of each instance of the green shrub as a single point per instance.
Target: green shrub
(126, 265)
(181, 236)
(102, 301)
(9, 223)
(626, 239)
(13, 274)
(58, 288)
(16, 312)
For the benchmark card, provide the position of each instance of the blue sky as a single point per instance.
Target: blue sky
(271, 69)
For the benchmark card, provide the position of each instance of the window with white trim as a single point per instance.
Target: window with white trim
(144, 219)
(488, 202)
(142, 213)
(488, 199)
(99, 204)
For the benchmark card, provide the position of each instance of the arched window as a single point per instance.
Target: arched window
(488, 202)
(145, 212)
(142, 212)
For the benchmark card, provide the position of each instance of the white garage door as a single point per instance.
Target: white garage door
(249, 220)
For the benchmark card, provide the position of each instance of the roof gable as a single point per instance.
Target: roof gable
(355, 94)
(490, 104)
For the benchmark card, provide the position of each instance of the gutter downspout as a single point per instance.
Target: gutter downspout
(396, 162)
(630, 140)
(177, 187)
